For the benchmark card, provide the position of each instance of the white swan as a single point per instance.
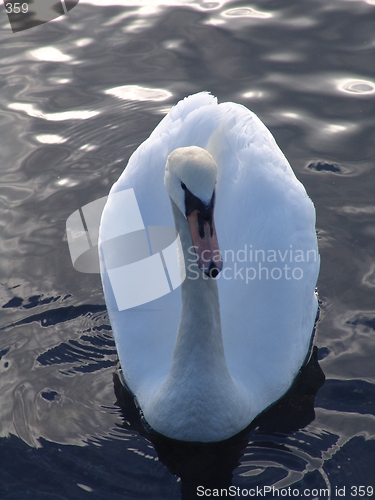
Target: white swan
(204, 360)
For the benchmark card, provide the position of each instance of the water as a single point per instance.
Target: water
(306, 68)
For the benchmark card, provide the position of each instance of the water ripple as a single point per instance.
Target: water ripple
(31, 110)
(43, 395)
(246, 12)
(325, 83)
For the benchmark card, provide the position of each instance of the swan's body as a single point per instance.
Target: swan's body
(203, 361)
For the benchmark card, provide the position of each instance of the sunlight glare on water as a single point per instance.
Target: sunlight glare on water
(49, 54)
(137, 93)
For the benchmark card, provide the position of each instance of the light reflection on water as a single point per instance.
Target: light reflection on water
(74, 107)
(358, 86)
(138, 93)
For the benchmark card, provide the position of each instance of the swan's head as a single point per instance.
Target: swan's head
(190, 178)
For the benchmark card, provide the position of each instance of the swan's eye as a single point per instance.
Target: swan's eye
(183, 186)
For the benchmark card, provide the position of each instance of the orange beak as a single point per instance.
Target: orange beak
(203, 234)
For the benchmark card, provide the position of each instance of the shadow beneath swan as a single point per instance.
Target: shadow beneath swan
(211, 465)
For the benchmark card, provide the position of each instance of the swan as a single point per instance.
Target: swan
(228, 335)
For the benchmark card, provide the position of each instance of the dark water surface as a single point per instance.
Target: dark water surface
(307, 69)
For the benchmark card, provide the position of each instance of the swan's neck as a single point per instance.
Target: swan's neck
(199, 344)
(198, 400)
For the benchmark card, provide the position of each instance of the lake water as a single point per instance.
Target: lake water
(307, 70)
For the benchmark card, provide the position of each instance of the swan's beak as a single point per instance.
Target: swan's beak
(203, 234)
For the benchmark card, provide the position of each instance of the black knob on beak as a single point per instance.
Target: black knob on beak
(213, 270)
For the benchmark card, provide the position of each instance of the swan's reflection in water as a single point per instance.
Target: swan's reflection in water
(211, 465)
